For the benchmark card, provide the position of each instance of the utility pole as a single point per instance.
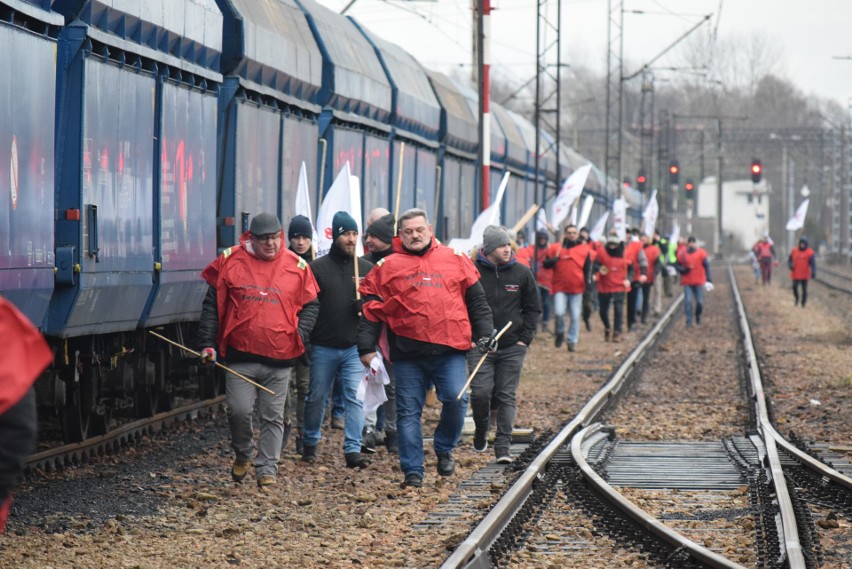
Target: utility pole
(483, 65)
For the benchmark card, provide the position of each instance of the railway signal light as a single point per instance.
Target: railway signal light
(641, 181)
(674, 172)
(689, 186)
(756, 170)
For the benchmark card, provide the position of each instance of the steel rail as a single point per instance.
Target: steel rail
(78, 450)
(473, 551)
(645, 520)
(789, 528)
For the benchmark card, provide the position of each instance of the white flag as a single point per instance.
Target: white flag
(598, 229)
(303, 200)
(571, 190)
(340, 197)
(619, 217)
(675, 233)
(649, 216)
(798, 220)
(490, 216)
(541, 220)
(588, 202)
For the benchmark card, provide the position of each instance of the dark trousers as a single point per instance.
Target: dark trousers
(804, 284)
(617, 301)
(546, 306)
(495, 386)
(631, 304)
(646, 300)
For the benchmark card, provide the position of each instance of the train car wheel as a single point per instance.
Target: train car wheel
(145, 389)
(80, 402)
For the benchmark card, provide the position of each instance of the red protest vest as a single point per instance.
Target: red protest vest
(652, 252)
(422, 296)
(612, 273)
(763, 250)
(631, 253)
(694, 261)
(568, 274)
(801, 264)
(259, 301)
(527, 255)
(25, 355)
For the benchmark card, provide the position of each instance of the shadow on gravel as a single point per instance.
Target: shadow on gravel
(135, 482)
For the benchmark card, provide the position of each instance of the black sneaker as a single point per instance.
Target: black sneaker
(368, 440)
(560, 337)
(309, 454)
(391, 442)
(357, 460)
(446, 464)
(502, 455)
(412, 480)
(480, 440)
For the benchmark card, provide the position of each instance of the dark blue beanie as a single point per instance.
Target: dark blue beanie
(342, 223)
(300, 226)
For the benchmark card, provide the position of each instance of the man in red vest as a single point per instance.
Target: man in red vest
(572, 269)
(430, 298)
(802, 264)
(613, 273)
(764, 250)
(258, 315)
(694, 269)
(25, 355)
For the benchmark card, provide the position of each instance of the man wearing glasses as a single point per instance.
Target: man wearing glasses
(572, 270)
(258, 315)
(430, 298)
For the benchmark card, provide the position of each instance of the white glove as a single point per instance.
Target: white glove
(671, 271)
(708, 286)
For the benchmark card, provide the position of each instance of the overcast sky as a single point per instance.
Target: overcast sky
(809, 33)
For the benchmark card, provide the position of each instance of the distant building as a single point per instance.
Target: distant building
(745, 218)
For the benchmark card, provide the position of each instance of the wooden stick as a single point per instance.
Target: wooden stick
(526, 217)
(224, 367)
(482, 361)
(398, 187)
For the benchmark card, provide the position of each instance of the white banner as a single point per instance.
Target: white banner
(675, 233)
(588, 202)
(340, 197)
(798, 220)
(303, 200)
(571, 190)
(490, 216)
(598, 230)
(619, 217)
(649, 216)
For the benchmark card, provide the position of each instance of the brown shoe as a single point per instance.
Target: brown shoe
(616, 336)
(607, 335)
(266, 480)
(239, 470)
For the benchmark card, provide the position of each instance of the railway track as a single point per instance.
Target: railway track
(834, 280)
(728, 501)
(115, 439)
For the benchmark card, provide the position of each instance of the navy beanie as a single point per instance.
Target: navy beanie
(342, 223)
(300, 226)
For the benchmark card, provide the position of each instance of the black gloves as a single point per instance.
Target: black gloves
(487, 343)
(550, 262)
(357, 306)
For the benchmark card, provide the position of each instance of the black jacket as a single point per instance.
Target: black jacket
(337, 323)
(513, 296)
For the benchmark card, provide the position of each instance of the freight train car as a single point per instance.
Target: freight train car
(141, 137)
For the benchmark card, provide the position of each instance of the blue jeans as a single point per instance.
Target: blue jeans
(413, 377)
(574, 305)
(326, 363)
(691, 292)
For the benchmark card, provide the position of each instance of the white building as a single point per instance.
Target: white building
(745, 208)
